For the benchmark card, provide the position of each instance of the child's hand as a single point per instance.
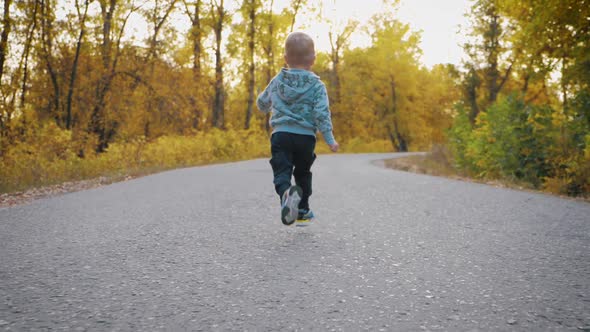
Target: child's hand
(334, 147)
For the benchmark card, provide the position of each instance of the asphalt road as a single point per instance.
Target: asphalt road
(204, 249)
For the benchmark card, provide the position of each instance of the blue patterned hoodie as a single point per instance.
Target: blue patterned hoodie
(299, 104)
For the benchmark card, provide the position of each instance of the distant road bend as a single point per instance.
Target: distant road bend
(204, 249)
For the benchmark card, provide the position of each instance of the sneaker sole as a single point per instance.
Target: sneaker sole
(303, 222)
(290, 211)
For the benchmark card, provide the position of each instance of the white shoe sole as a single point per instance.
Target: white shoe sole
(290, 210)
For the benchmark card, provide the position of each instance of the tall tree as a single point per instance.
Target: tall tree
(157, 17)
(219, 16)
(6, 27)
(31, 30)
(97, 119)
(26, 28)
(338, 42)
(552, 35)
(268, 48)
(251, 8)
(394, 65)
(47, 55)
(486, 51)
(110, 60)
(197, 35)
(471, 84)
(82, 27)
(295, 7)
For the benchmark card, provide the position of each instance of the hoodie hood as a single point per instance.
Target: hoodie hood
(295, 83)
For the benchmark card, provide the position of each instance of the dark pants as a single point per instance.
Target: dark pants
(292, 154)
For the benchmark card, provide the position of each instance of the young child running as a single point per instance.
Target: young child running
(299, 104)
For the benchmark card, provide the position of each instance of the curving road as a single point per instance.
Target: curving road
(204, 249)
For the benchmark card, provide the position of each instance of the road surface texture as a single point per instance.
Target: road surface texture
(204, 249)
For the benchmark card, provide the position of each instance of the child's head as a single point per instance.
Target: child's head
(299, 50)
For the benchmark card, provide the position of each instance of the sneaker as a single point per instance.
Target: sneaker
(304, 218)
(289, 205)
(305, 214)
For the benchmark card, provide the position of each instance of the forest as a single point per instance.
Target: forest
(82, 95)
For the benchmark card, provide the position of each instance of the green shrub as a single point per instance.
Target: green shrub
(526, 143)
(459, 136)
(510, 140)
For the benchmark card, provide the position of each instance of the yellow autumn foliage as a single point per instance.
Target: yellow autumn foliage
(50, 156)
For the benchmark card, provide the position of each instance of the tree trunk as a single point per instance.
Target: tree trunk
(337, 77)
(75, 66)
(152, 54)
(197, 36)
(471, 85)
(158, 24)
(395, 136)
(492, 72)
(268, 50)
(47, 51)
(252, 67)
(6, 26)
(27, 51)
(98, 119)
(107, 16)
(402, 143)
(218, 105)
(296, 6)
(391, 136)
(335, 58)
(393, 94)
(564, 94)
(525, 86)
(338, 42)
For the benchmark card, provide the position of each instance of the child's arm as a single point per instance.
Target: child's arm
(263, 102)
(323, 117)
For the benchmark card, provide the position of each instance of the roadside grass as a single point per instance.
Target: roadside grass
(439, 162)
(50, 164)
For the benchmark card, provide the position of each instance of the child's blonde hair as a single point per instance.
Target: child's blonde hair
(299, 49)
